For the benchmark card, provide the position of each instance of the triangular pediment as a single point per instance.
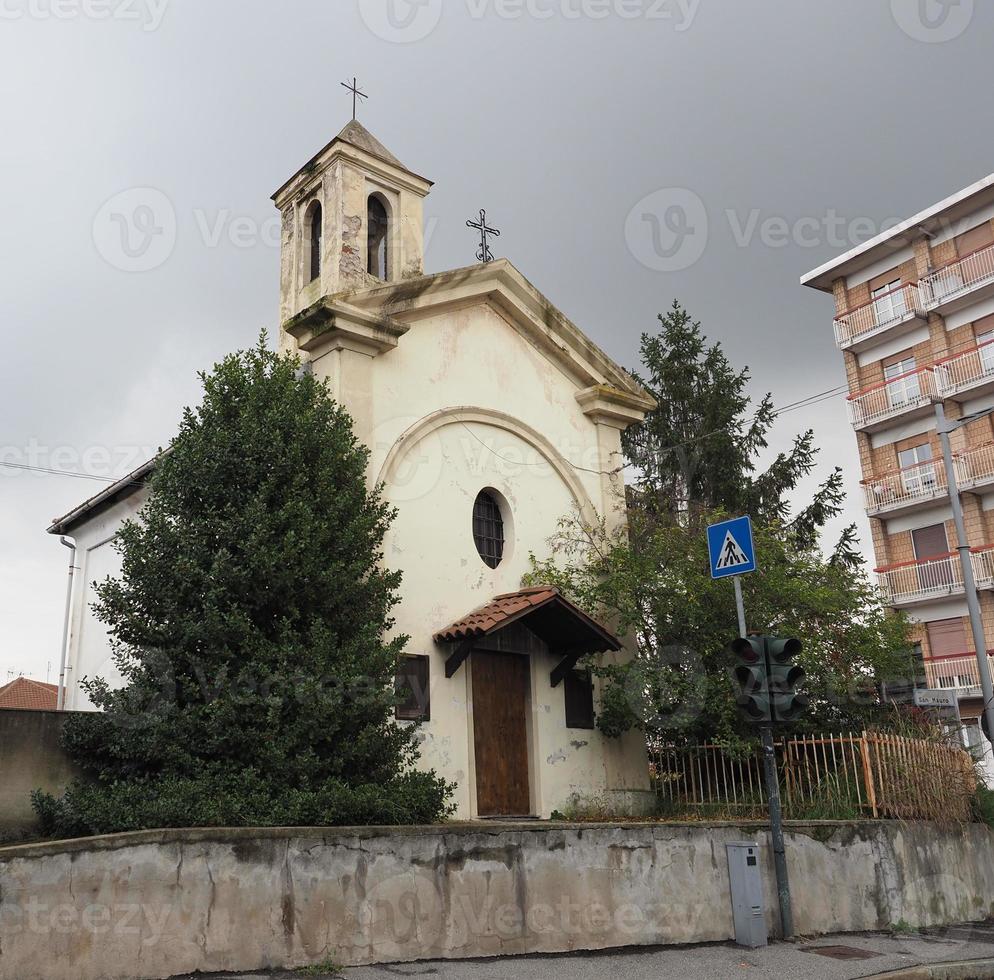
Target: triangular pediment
(499, 285)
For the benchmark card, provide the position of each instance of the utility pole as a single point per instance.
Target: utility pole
(945, 427)
(776, 832)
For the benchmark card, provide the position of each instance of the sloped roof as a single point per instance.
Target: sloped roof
(125, 487)
(25, 694)
(355, 133)
(545, 611)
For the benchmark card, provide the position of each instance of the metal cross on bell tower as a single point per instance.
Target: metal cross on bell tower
(483, 253)
(356, 94)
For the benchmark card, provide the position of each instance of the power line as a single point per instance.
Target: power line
(807, 402)
(71, 473)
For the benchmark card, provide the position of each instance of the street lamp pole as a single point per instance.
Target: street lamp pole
(944, 427)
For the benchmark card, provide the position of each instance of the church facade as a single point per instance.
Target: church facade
(490, 417)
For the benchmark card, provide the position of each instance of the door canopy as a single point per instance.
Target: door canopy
(566, 629)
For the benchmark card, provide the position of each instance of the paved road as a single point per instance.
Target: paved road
(782, 961)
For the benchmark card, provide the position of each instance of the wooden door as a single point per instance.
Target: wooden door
(501, 685)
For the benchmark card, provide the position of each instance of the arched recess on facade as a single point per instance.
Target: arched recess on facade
(446, 417)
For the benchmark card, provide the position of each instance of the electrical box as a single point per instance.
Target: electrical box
(746, 880)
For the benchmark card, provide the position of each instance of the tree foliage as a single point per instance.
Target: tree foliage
(694, 460)
(250, 624)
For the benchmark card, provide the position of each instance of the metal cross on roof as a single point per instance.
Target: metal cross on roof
(356, 94)
(483, 253)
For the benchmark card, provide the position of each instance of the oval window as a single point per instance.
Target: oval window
(488, 528)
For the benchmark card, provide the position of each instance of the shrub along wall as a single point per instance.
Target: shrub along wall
(156, 904)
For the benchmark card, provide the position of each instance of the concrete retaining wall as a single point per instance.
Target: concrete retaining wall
(160, 903)
(31, 757)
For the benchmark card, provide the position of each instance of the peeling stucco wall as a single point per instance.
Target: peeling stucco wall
(167, 902)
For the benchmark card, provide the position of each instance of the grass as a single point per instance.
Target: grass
(322, 969)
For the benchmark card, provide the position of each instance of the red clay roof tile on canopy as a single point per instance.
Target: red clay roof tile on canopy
(25, 694)
(553, 613)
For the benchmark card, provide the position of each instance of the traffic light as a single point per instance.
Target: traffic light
(784, 677)
(766, 680)
(750, 676)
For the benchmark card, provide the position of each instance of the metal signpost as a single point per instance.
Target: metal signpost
(733, 554)
(945, 427)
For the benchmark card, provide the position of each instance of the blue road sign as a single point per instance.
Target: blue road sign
(731, 548)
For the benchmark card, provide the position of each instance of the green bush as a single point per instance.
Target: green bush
(984, 806)
(252, 624)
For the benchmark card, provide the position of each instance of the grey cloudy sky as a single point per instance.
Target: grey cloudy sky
(594, 131)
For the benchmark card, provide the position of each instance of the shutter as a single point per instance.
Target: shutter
(930, 542)
(947, 637)
(975, 239)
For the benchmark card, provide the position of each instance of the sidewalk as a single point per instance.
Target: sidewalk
(782, 961)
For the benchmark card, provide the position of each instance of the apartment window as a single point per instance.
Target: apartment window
(975, 239)
(413, 688)
(936, 570)
(917, 478)
(946, 637)
(985, 341)
(888, 301)
(906, 387)
(579, 694)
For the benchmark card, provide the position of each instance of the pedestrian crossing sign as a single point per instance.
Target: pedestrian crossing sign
(731, 548)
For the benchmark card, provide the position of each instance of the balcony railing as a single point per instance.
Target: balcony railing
(896, 396)
(960, 674)
(967, 370)
(911, 485)
(975, 467)
(959, 278)
(887, 310)
(933, 578)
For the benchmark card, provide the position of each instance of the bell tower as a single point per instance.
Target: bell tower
(352, 218)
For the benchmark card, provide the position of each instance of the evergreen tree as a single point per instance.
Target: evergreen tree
(249, 623)
(697, 449)
(694, 463)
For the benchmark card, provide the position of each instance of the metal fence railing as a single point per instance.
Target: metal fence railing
(868, 774)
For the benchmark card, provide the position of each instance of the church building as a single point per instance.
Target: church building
(490, 417)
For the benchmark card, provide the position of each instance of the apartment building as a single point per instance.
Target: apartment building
(914, 320)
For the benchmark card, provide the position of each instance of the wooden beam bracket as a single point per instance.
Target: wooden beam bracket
(564, 666)
(458, 657)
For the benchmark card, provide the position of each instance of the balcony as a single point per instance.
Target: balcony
(894, 314)
(906, 396)
(975, 467)
(907, 489)
(934, 578)
(968, 373)
(960, 674)
(963, 282)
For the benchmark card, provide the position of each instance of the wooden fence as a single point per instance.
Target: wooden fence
(831, 777)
